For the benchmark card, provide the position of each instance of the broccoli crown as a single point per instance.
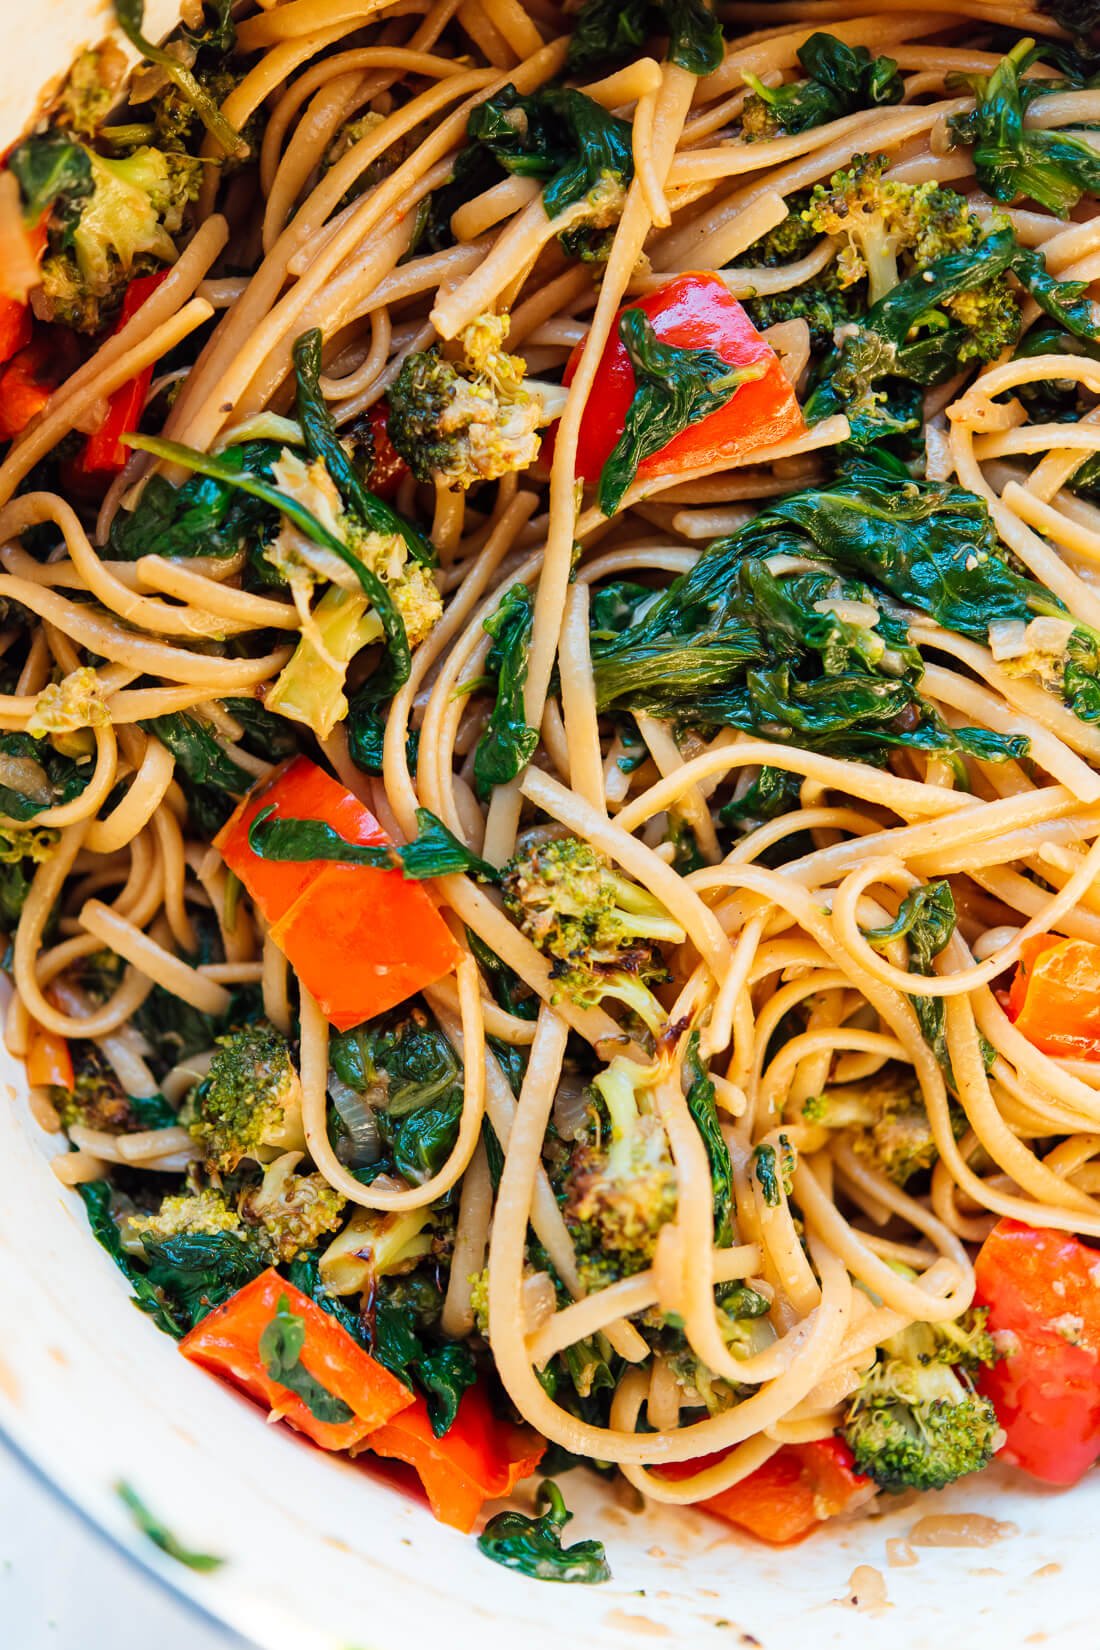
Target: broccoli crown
(179, 126)
(468, 421)
(881, 221)
(597, 926)
(916, 1422)
(250, 1104)
(792, 238)
(925, 1447)
(621, 1189)
(122, 225)
(885, 1119)
(192, 1214)
(18, 844)
(278, 1219)
(66, 706)
(88, 95)
(824, 304)
(293, 1211)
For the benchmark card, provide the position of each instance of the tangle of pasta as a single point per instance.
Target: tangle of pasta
(795, 976)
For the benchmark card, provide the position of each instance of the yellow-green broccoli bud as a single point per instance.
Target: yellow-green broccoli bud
(187, 1214)
(915, 1423)
(294, 1211)
(250, 1104)
(885, 1122)
(123, 224)
(598, 927)
(472, 420)
(89, 93)
(65, 707)
(621, 1191)
(311, 687)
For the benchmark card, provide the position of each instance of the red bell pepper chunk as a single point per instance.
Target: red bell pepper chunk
(227, 1342)
(479, 1459)
(15, 327)
(693, 311)
(1042, 1289)
(388, 469)
(795, 1490)
(16, 320)
(360, 939)
(104, 451)
(49, 1062)
(31, 376)
(1055, 996)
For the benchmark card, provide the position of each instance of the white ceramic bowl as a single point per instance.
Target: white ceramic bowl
(323, 1556)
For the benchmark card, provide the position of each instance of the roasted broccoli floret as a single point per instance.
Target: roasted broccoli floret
(884, 1119)
(250, 1104)
(882, 222)
(310, 688)
(89, 93)
(621, 1190)
(916, 1422)
(292, 1211)
(598, 927)
(21, 851)
(823, 304)
(285, 1214)
(112, 219)
(194, 1214)
(180, 128)
(471, 420)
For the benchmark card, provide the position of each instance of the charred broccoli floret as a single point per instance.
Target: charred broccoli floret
(916, 1422)
(108, 220)
(250, 1104)
(883, 222)
(621, 1190)
(277, 1220)
(598, 927)
(885, 1121)
(292, 1211)
(472, 420)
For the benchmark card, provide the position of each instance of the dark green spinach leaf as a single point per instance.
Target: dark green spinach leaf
(280, 1348)
(434, 852)
(533, 1545)
(507, 744)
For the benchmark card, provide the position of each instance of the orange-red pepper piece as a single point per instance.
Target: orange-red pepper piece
(479, 1459)
(1055, 996)
(360, 939)
(227, 1342)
